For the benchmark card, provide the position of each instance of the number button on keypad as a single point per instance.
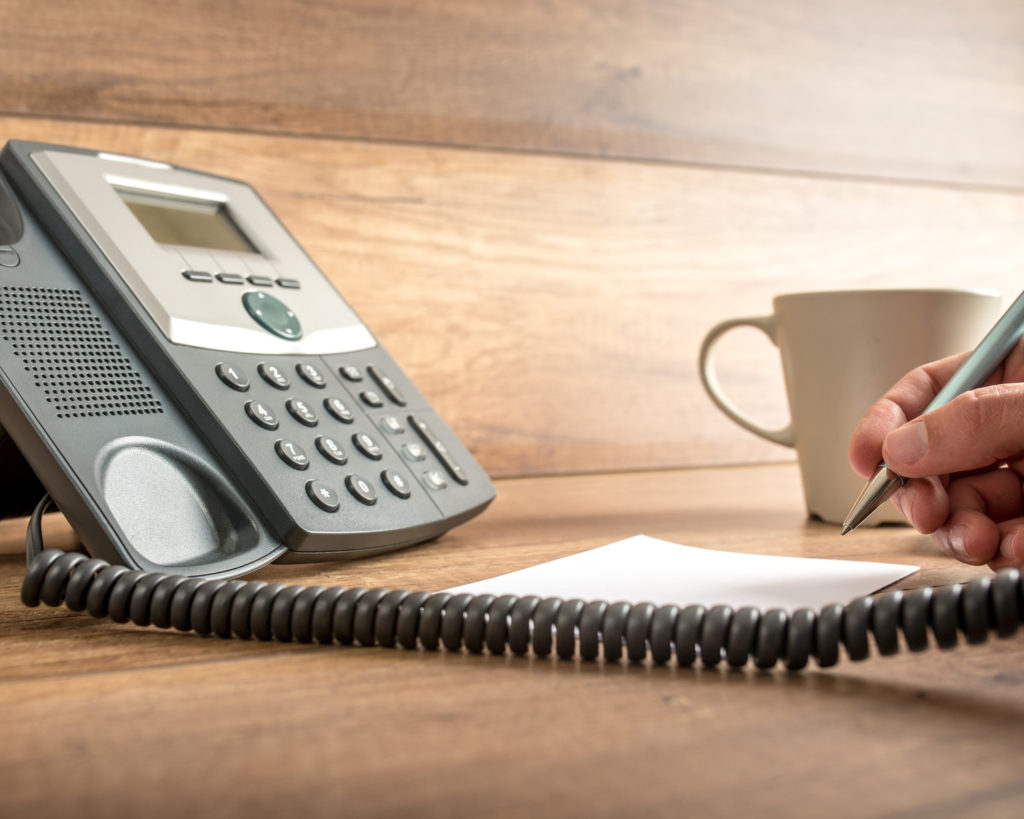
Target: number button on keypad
(292, 454)
(361, 489)
(273, 375)
(331, 449)
(338, 408)
(261, 414)
(394, 481)
(369, 447)
(311, 375)
(233, 377)
(301, 412)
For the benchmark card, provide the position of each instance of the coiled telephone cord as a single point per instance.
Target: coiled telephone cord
(420, 619)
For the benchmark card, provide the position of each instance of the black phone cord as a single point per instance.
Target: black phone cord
(432, 620)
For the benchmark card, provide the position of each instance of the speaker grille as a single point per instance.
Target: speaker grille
(69, 353)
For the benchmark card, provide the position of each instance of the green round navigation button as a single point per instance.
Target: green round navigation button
(272, 314)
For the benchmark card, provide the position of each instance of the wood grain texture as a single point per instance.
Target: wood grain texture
(552, 308)
(101, 719)
(908, 89)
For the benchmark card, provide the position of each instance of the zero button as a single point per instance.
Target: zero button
(361, 490)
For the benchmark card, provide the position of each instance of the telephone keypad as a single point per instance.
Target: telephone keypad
(411, 446)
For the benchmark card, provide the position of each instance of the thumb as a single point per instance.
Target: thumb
(975, 430)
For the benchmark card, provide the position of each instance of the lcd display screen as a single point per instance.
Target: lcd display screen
(172, 220)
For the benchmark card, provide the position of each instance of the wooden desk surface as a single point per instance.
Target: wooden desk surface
(102, 719)
(540, 210)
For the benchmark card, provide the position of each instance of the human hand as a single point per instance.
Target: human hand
(964, 460)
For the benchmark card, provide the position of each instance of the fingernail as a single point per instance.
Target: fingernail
(958, 541)
(907, 444)
(1006, 548)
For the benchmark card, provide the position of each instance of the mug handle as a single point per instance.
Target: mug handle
(766, 324)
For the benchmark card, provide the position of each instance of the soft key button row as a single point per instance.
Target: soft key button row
(238, 278)
(293, 454)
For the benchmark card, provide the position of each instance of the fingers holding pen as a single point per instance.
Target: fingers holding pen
(977, 518)
(906, 399)
(866, 444)
(963, 460)
(924, 502)
(980, 507)
(970, 516)
(979, 429)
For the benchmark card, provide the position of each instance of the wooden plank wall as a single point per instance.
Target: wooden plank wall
(541, 207)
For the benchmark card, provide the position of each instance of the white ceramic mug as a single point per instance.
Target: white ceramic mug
(841, 350)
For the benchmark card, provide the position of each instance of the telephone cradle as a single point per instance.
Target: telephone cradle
(198, 401)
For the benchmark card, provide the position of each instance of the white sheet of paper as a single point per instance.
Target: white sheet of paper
(646, 569)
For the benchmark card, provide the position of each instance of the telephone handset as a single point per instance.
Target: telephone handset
(190, 389)
(199, 401)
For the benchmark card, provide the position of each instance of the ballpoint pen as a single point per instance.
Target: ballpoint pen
(973, 373)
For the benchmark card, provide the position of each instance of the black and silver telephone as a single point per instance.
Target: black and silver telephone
(200, 401)
(190, 389)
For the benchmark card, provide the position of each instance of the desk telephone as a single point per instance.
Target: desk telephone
(191, 390)
(199, 401)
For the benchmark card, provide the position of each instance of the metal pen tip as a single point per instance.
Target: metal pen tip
(878, 490)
